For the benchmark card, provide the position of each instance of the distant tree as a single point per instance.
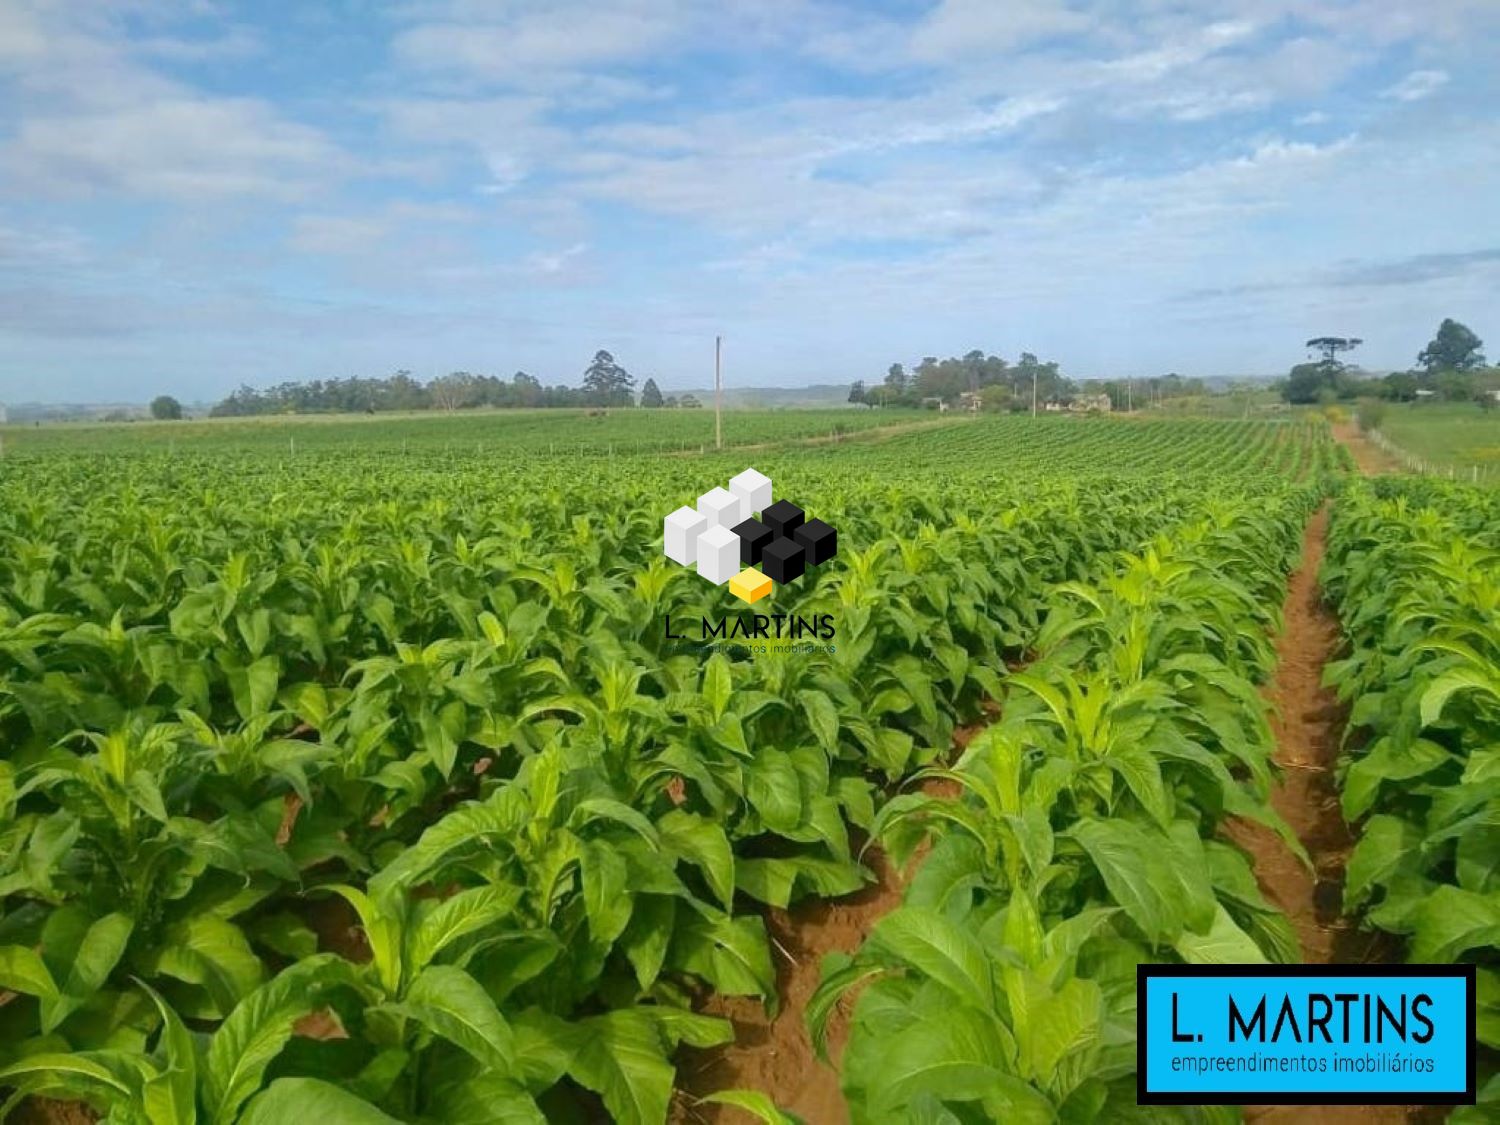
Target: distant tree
(996, 396)
(671, 402)
(1454, 348)
(166, 408)
(857, 392)
(651, 394)
(1331, 347)
(1326, 379)
(1399, 386)
(689, 402)
(450, 392)
(1308, 383)
(526, 390)
(895, 381)
(606, 383)
(1455, 386)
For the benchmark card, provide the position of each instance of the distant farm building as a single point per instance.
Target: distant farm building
(1092, 404)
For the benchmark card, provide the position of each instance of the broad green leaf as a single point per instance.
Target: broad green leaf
(703, 843)
(382, 930)
(1224, 944)
(100, 951)
(502, 815)
(622, 1058)
(822, 718)
(731, 954)
(717, 685)
(775, 881)
(938, 948)
(1387, 844)
(485, 1099)
(464, 913)
(170, 1098)
(774, 791)
(311, 1099)
(1455, 680)
(1451, 922)
(260, 1025)
(22, 970)
(1136, 870)
(1142, 775)
(1064, 1022)
(607, 900)
(453, 1005)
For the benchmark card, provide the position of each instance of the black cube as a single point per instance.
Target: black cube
(783, 559)
(818, 540)
(754, 537)
(783, 518)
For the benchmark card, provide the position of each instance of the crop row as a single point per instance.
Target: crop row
(1414, 569)
(1085, 841)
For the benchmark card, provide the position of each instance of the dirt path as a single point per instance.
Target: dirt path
(1371, 459)
(1308, 727)
(775, 1055)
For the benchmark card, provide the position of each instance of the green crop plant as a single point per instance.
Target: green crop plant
(1083, 842)
(1414, 568)
(419, 690)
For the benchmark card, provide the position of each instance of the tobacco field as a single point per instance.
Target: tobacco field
(358, 779)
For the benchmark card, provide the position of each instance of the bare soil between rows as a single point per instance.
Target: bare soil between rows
(1309, 725)
(774, 1053)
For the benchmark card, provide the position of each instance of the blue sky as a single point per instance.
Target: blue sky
(195, 194)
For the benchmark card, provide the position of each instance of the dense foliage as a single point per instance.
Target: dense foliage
(371, 786)
(1414, 566)
(1086, 842)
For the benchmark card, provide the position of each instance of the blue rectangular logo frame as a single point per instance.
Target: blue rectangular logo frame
(1381, 976)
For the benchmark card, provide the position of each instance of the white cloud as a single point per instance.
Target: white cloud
(557, 261)
(1417, 85)
(969, 28)
(512, 43)
(89, 117)
(183, 147)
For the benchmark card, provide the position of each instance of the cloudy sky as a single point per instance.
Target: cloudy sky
(199, 193)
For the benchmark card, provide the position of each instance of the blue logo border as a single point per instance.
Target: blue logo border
(1145, 973)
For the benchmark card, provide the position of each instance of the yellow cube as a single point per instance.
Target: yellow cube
(750, 585)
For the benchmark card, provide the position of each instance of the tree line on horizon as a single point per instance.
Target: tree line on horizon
(1451, 367)
(605, 383)
(1002, 385)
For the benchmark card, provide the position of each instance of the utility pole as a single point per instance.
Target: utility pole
(1129, 396)
(1033, 392)
(718, 393)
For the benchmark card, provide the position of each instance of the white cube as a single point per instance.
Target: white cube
(718, 554)
(680, 535)
(754, 488)
(722, 508)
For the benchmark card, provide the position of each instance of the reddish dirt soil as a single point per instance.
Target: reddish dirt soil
(775, 1055)
(1309, 725)
(49, 1111)
(1371, 459)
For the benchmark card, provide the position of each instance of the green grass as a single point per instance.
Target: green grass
(1448, 436)
(487, 432)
